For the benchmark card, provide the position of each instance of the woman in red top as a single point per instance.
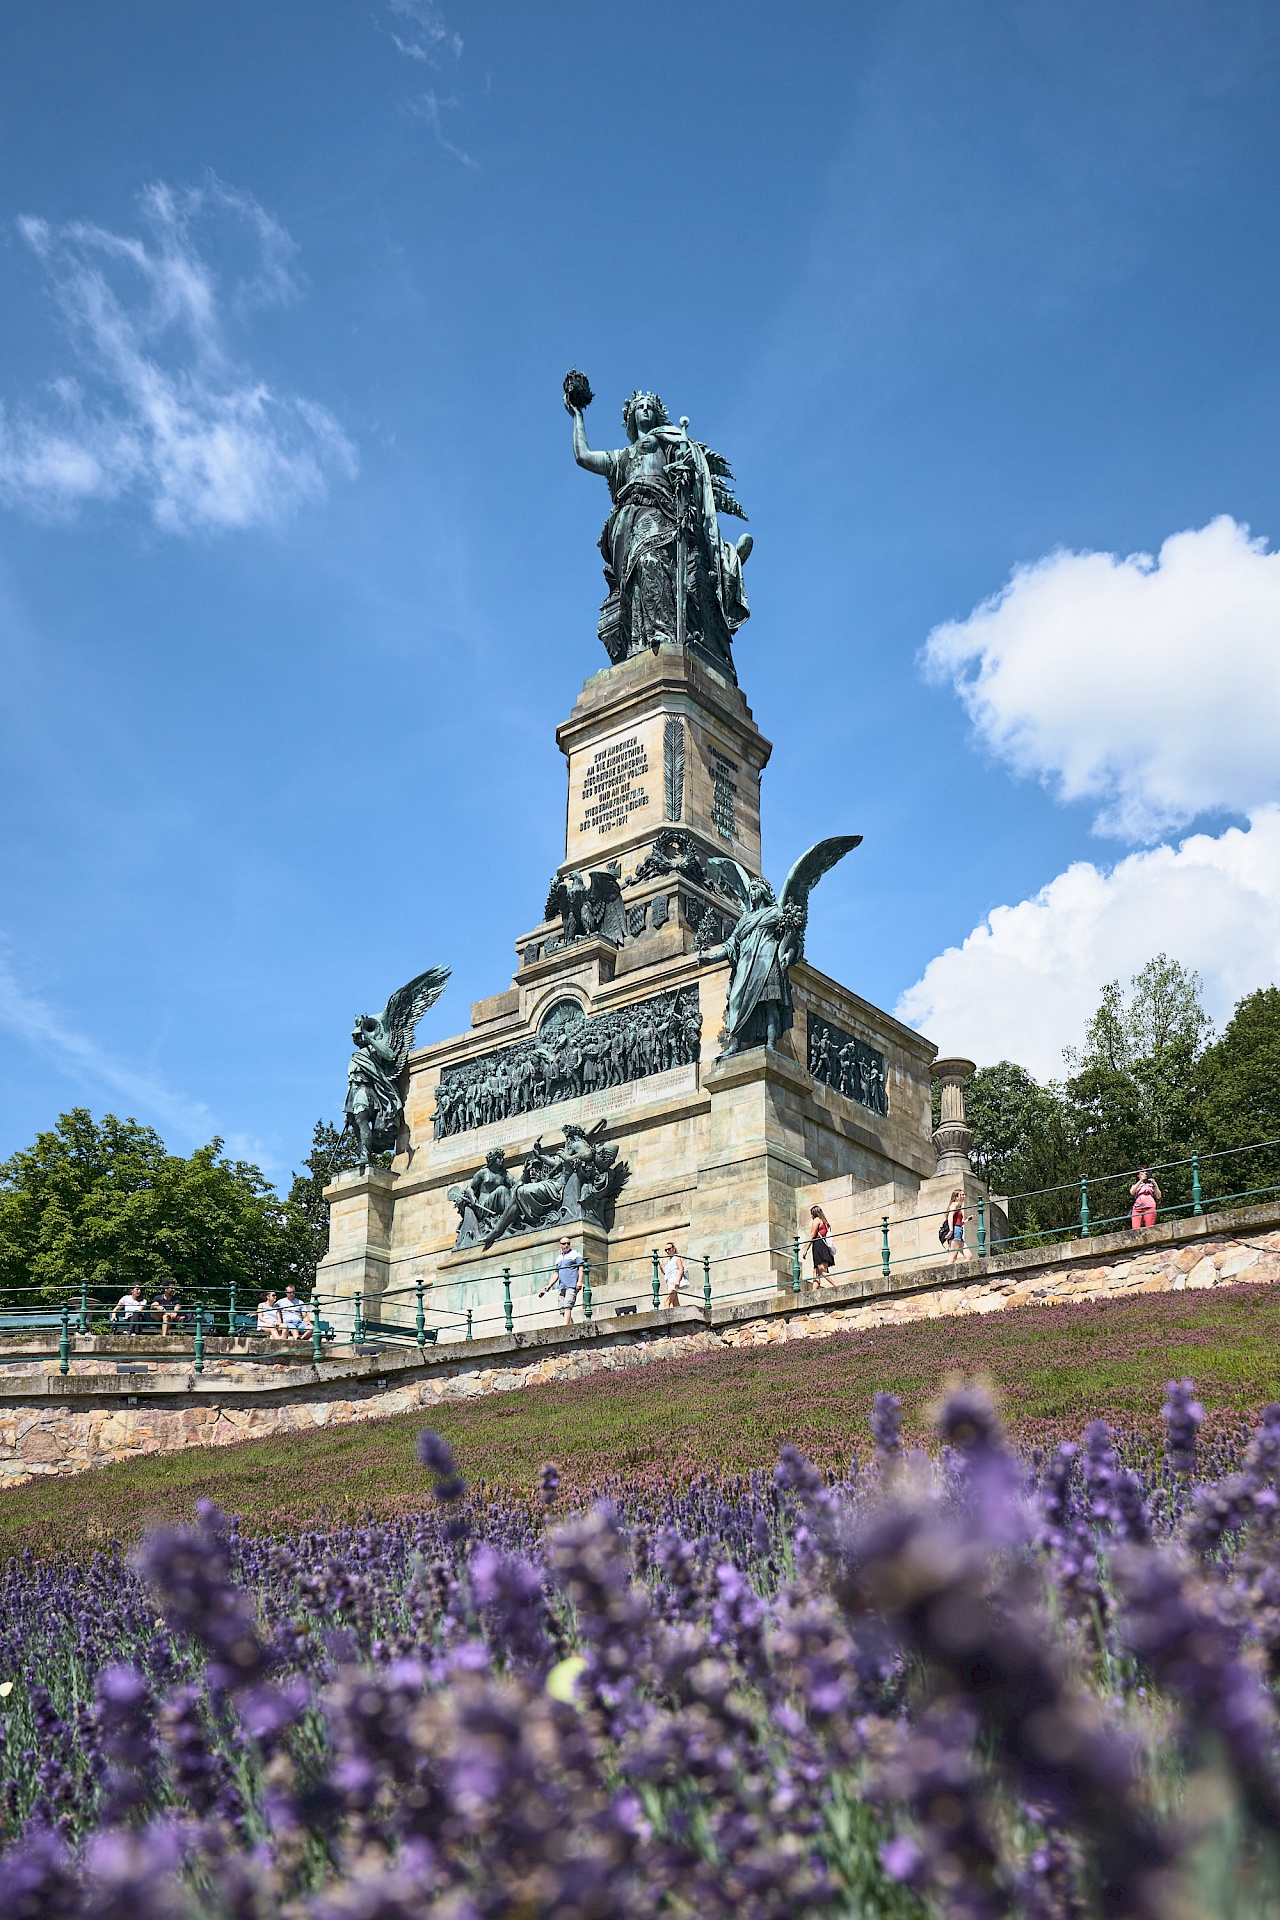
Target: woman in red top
(819, 1247)
(1145, 1195)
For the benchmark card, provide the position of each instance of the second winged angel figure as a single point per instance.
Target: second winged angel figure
(767, 941)
(375, 1103)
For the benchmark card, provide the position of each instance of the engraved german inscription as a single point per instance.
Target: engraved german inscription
(723, 790)
(612, 790)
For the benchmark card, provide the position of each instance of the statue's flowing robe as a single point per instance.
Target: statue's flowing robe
(372, 1087)
(639, 548)
(754, 949)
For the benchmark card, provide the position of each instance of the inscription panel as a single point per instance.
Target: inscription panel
(613, 787)
(724, 789)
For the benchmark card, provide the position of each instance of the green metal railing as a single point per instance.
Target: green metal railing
(635, 1281)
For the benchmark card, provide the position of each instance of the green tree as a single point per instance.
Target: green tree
(1021, 1144)
(1240, 1101)
(104, 1205)
(332, 1152)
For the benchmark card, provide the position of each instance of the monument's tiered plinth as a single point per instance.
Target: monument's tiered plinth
(623, 1041)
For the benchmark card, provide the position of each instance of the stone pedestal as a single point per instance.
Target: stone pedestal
(361, 1227)
(743, 1212)
(662, 740)
(475, 1279)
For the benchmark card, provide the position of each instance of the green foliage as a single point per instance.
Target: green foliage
(1143, 1087)
(104, 1205)
(332, 1152)
(1240, 1095)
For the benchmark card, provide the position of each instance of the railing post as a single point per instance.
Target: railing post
(657, 1288)
(1084, 1207)
(468, 1323)
(506, 1297)
(1196, 1206)
(84, 1306)
(64, 1340)
(359, 1326)
(884, 1245)
(422, 1323)
(586, 1289)
(706, 1281)
(982, 1228)
(317, 1338)
(795, 1263)
(199, 1339)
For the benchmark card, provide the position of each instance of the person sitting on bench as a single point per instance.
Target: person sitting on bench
(270, 1319)
(131, 1311)
(293, 1315)
(169, 1307)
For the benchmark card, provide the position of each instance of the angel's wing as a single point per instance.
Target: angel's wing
(557, 899)
(720, 472)
(605, 895)
(406, 1007)
(731, 875)
(807, 872)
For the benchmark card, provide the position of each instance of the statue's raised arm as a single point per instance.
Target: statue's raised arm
(672, 579)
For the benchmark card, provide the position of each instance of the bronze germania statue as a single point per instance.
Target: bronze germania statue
(671, 578)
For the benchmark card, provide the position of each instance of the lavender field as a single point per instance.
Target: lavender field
(972, 1684)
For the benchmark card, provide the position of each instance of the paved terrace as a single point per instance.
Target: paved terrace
(120, 1398)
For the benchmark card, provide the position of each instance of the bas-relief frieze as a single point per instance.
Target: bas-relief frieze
(849, 1065)
(572, 1055)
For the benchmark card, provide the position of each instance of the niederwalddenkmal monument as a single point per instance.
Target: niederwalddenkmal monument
(667, 1063)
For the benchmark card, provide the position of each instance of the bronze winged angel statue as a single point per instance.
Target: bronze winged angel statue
(588, 903)
(767, 941)
(374, 1102)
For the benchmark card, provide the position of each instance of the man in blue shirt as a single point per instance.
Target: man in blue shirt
(566, 1276)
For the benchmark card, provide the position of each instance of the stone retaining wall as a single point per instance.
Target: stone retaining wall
(59, 1424)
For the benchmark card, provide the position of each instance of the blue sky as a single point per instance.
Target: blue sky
(297, 574)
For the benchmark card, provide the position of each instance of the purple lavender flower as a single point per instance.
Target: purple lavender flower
(1193, 1648)
(126, 1722)
(509, 1588)
(436, 1455)
(549, 1483)
(1183, 1417)
(38, 1881)
(886, 1427)
(191, 1569)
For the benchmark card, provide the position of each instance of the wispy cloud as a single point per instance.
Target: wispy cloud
(158, 408)
(427, 36)
(430, 107)
(428, 40)
(94, 1067)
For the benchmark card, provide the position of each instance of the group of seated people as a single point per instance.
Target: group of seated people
(283, 1316)
(135, 1313)
(280, 1316)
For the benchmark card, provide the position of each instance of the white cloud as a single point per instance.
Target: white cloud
(160, 409)
(432, 42)
(1024, 982)
(93, 1066)
(1152, 686)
